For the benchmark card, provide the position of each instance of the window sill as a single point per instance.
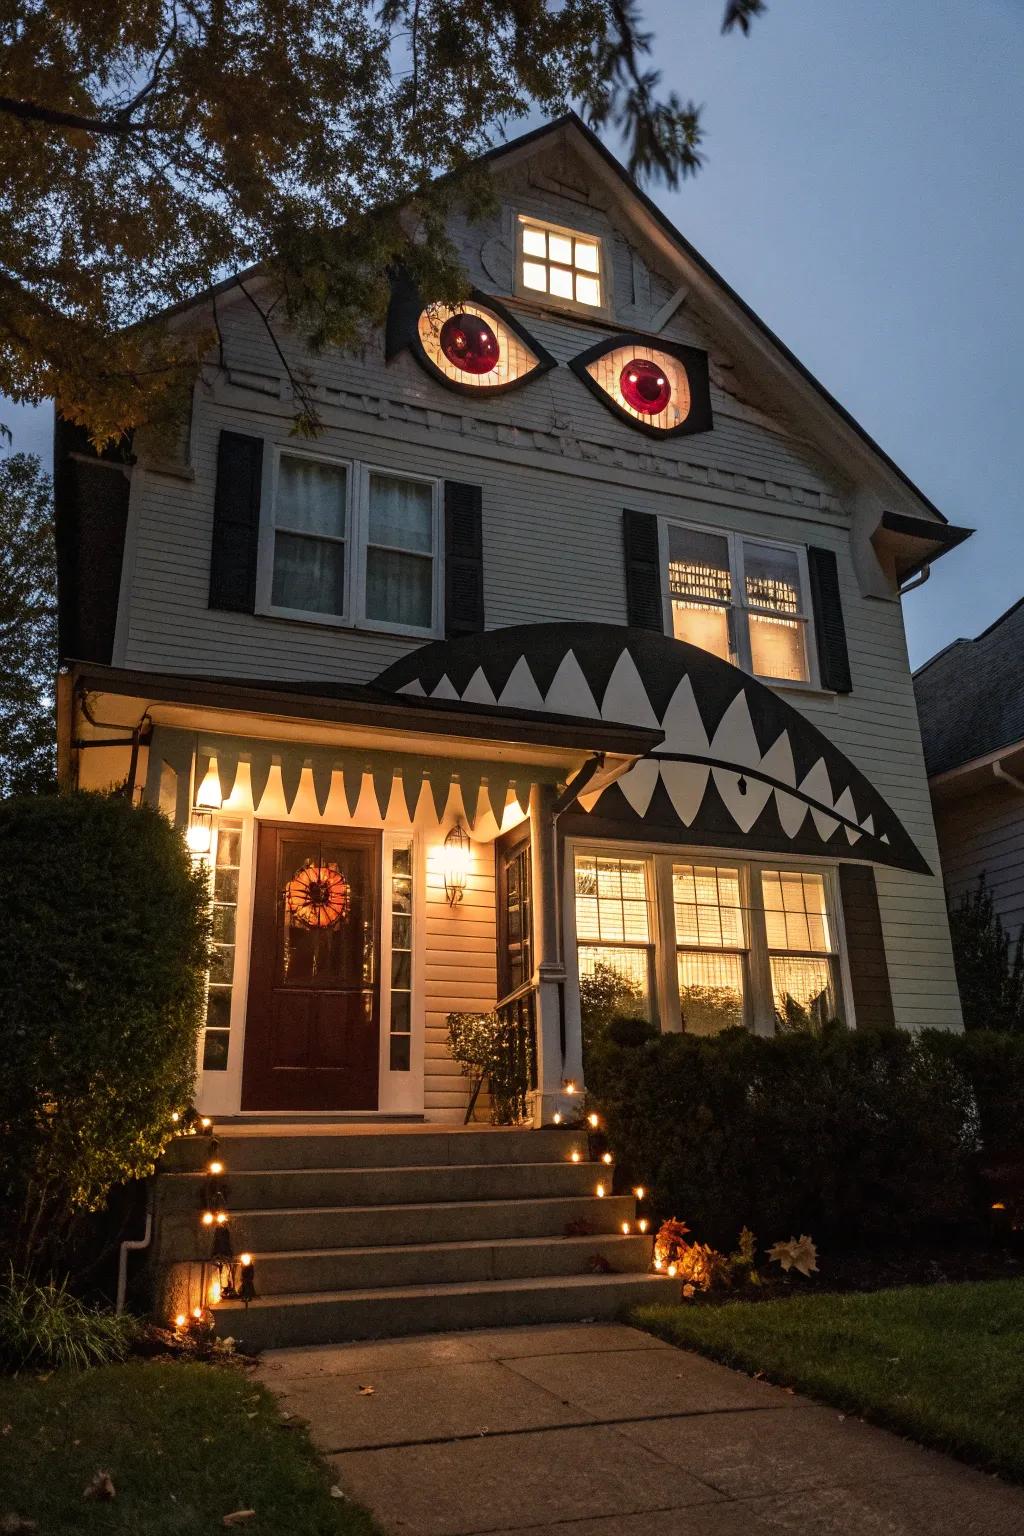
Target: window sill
(350, 626)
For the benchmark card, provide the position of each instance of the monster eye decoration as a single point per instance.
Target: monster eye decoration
(660, 387)
(475, 347)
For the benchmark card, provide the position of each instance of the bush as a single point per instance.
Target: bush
(45, 1328)
(103, 946)
(605, 994)
(993, 1064)
(485, 1045)
(989, 970)
(845, 1135)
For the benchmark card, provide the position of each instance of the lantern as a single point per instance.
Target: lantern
(456, 863)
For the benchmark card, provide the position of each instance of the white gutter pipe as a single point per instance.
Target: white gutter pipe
(133, 1244)
(916, 581)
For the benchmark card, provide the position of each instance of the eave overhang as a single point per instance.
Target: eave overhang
(910, 543)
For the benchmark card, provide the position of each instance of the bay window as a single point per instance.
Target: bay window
(745, 600)
(726, 943)
(351, 545)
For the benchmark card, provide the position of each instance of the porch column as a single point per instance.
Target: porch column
(549, 968)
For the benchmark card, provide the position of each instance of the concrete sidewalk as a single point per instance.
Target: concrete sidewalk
(598, 1430)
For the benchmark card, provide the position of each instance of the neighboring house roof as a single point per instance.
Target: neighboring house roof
(970, 696)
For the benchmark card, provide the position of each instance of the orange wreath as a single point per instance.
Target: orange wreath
(319, 895)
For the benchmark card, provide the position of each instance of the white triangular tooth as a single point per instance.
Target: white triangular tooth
(625, 698)
(778, 764)
(868, 825)
(852, 836)
(416, 688)
(478, 689)
(792, 812)
(884, 837)
(445, 689)
(816, 784)
(846, 807)
(735, 742)
(685, 784)
(682, 723)
(570, 693)
(638, 785)
(521, 692)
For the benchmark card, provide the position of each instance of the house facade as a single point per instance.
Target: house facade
(573, 641)
(974, 755)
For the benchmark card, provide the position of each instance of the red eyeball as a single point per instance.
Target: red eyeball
(645, 387)
(469, 343)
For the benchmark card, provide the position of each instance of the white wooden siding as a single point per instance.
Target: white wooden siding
(460, 976)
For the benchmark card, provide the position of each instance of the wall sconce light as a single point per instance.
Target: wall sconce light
(199, 837)
(208, 795)
(456, 863)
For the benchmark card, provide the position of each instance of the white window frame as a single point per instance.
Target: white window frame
(557, 301)
(739, 610)
(653, 945)
(759, 1003)
(357, 523)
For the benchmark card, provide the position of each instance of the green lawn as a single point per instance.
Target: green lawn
(185, 1445)
(943, 1363)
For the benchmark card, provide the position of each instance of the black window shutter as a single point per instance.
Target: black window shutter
(463, 559)
(833, 656)
(643, 570)
(236, 522)
(865, 948)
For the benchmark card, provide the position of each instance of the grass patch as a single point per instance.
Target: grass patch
(184, 1445)
(940, 1363)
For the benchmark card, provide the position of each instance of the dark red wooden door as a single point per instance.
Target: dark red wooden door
(312, 1020)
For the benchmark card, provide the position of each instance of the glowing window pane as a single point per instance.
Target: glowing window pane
(772, 577)
(804, 991)
(586, 258)
(796, 911)
(777, 648)
(535, 276)
(708, 910)
(702, 626)
(560, 249)
(588, 290)
(633, 966)
(535, 242)
(710, 992)
(560, 282)
(611, 900)
(698, 564)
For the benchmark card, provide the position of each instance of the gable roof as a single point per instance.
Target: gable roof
(970, 696)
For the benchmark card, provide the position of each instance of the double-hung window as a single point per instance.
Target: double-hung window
(727, 943)
(349, 544)
(745, 600)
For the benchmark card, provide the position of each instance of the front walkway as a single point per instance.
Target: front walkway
(598, 1430)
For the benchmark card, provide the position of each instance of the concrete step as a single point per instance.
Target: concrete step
(348, 1147)
(293, 1188)
(416, 1264)
(367, 1226)
(335, 1317)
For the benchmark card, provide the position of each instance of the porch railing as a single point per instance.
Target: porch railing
(513, 1076)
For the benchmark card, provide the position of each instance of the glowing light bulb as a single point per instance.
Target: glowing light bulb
(625, 1229)
(570, 1086)
(658, 1264)
(998, 1205)
(222, 1217)
(606, 1158)
(180, 1320)
(643, 1224)
(207, 1218)
(594, 1121)
(216, 1167)
(639, 1192)
(575, 1157)
(600, 1191)
(557, 1117)
(673, 1270)
(206, 1122)
(197, 1313)
(175, 1118)
(246, 1260)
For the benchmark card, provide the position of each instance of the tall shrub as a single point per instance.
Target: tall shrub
(989, 969)
(103, 944)
(844, 1135)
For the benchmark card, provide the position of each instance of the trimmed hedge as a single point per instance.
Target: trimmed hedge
(846, 1136)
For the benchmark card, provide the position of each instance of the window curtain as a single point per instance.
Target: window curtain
(399, 564)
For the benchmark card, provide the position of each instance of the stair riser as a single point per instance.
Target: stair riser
(272, 1326)
(299, 1274)
(242, 1153)
(276, 1231)
(310, 1188)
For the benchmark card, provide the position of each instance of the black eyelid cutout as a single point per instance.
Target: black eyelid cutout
(699, 418)
(402, 331)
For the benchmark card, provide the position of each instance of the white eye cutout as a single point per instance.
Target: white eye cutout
(474, 347)
(662, 389)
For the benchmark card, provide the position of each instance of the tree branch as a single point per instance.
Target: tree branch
(35, 112)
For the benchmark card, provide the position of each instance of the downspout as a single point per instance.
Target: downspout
(133, 1245)
(917, 581)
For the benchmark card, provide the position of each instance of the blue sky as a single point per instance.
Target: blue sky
(864, 190)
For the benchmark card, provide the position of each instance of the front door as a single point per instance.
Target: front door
(312, 1020)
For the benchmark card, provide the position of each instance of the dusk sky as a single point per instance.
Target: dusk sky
(863, 191)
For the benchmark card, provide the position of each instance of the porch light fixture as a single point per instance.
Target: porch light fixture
(208, 795)
(199, 836)
(456, 863)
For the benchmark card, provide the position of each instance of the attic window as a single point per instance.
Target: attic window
(560, 264)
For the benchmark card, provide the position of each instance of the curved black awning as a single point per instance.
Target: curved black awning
(739, 766)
